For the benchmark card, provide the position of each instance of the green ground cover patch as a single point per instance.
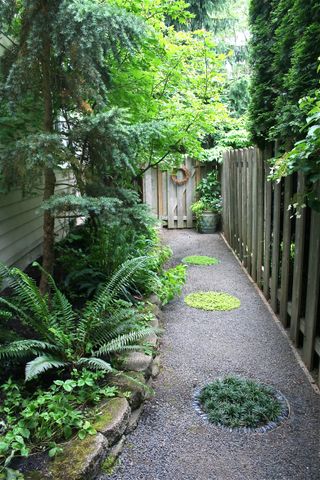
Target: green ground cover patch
(212, 301)
(200, 260)
(234, 402)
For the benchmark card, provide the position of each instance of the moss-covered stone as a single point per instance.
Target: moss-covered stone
(200, 260)
(80, 460)
(133, 382)
(212, 301)
(113, 419)
(109, 465)
(35, 475)
(137, 362)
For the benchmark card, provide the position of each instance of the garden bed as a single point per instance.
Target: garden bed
(117, 417)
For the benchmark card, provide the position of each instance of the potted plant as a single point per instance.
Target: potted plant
(207, 208)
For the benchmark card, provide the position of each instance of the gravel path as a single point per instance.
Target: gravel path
(172, 442)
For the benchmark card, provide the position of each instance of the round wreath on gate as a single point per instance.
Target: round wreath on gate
(186, 176)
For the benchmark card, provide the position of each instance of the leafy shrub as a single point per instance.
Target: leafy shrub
(209, 192)
(171, 283)
(304, 157)
(65, 338)
(87, 261)
(37, 421)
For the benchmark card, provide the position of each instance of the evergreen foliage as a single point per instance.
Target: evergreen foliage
(59, 60)
(285, 49)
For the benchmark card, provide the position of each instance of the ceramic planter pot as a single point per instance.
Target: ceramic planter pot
(208, 222)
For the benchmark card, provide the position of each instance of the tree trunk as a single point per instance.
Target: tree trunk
(49, 175)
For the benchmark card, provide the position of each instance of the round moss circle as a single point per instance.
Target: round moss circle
(200, 260)
(238, 403)
(212, 301)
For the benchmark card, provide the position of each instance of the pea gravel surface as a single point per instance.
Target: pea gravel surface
(172, 441)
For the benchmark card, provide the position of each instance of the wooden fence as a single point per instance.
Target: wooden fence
(280, 251)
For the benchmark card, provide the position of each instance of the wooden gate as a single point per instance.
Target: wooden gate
(170, 202)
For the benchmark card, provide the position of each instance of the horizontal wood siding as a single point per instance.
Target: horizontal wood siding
(280, 251)
(21, 226)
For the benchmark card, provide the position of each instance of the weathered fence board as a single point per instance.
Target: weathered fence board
(297, 288)
(286, 251)
(312, 290)
(267, 233)
(275, 265)
(280, 251)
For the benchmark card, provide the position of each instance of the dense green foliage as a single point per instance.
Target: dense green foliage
(209, 196)
(61, 343)
(285, 48)
(36, 421)
(171, 283)
(234, 402)
(304, 157)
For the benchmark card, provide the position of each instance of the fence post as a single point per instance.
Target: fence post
(275, 246)
(285, 261)
(249, 210)
(312, 288)
(267, 233)
(297, 288)
(260, 208)
(254, 214)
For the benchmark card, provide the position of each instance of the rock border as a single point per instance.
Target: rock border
(118, 417)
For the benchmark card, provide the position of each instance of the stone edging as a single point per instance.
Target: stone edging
(118, 416)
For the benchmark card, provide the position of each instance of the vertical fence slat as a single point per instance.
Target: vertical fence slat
(170, 201)
(231, 187)
(243, 206)
(160, 193)
(180, 205)
(148, 188)
(267, 233)
(312, 289)
(297, 288)
(239, 213)
(275, 246)
(260, 223)
(249, 210)
(229, 198)
(254, 216)
(190, 192)
(285, 262)
(245, 201)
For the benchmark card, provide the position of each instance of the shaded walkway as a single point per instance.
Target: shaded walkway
(172, 442)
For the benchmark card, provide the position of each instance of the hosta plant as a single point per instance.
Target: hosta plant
(64, 338)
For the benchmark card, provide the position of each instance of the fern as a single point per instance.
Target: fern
(68, 339)
(42, 364)
(121, 343)
(24, 348)
(96, 364)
